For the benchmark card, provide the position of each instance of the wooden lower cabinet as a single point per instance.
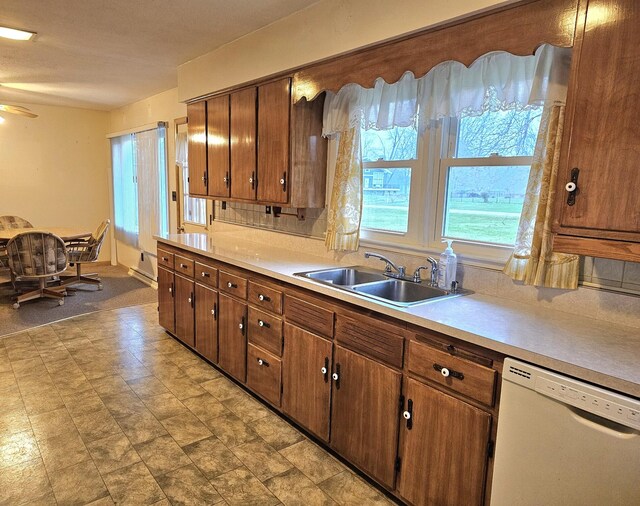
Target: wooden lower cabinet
(232, 336)
(184, 307)
(443, 448)
(166, 306)
(306, 395)
(207, 322)
(264, 374)
(365, 414)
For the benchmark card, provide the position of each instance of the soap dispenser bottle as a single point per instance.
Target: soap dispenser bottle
(447, 267)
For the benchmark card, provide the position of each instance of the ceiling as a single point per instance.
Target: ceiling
(104, 54)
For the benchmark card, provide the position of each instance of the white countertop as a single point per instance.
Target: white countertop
(592, 350)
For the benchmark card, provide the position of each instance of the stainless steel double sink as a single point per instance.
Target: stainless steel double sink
(377, 286)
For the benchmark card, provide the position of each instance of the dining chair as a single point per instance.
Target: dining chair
(86, 250)
(37, 256)
(7, 222)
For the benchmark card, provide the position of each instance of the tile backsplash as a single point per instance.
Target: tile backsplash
(613, 275)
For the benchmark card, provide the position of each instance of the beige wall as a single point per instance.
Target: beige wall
(324, 29)
(161, 107)
(54, 169)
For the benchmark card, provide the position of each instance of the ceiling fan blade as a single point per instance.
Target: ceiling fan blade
(16, 109)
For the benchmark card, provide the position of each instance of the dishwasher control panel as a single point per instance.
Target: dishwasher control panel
(601, 402)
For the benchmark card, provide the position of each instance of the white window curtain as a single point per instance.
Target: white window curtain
(125, 190)
(140, 187)
(447, 90)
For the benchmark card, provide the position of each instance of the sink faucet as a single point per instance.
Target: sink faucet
(434, 271)
(400, 269)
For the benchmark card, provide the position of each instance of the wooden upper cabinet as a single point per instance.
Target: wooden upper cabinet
(602, 131)
(364, 415)
(243, 144)
(197, 147)
(443, 449)
(274, 101)
(218, 146)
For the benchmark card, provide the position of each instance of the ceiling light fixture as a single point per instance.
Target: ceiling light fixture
(12, 33)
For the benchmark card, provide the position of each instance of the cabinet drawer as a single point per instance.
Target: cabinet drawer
(232, 284)
(184, 266)
(265, 330)
(309, 316)
(264, 374)
(465, 377)
(206, 274)
(372, 338)
(165, 258)
(265, 297)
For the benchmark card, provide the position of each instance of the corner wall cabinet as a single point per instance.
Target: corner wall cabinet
(600, 149)
(368, 386)
(258, 147)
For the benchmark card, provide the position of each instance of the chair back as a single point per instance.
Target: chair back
(7, 222)
(96, 240)
(37, 254)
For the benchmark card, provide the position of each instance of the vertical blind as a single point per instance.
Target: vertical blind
(140, 192)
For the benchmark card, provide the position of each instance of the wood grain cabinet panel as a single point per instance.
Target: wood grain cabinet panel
(274, 101)
(206, 322)
(185, 309)
(443, 449)
(218, 154)
(310, 316)
(602, 130)
(185, 266)
(306, 388)
(166, 304)
(232, 284)
(364, 415)
(197, 147)
(243, 144)
(265, 297)
(265, 330)
(232, 337)
(264, 374)
(206, 274)
(165, 258)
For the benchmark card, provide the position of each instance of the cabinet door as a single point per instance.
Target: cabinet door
(232, 337)
(306, 395)
(185, 304)
(243, 144)
(166, 307)
(364, 414)
(274, 101)
(444, 453)
(207, 322)
(218, 146)
(602, 135)
(197, 147)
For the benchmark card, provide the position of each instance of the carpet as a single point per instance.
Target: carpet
(120, 290)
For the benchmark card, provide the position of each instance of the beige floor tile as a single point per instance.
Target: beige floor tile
(212, 457)
(202, 372)
(162, 455)
(42, 401)
(35, 383)
(109, 385)
(83, 403)
(63, 451)
(187, 485)
(313, 461)
(123, 404)
(28, 366)
(347, 489)
(11, 397)
(186, 428)
(12, 420)
(112, 452)
(51, 424)
(141, 427)
(222, 388)
(262, 460)
(147, 386)
(96, 425)
(229, 429)
(77, 485)
(24, 483)
(205, 407)
(275, 431)
(240, 488)
(294, 489)
(183, 388)
(165, 406)
(7, 378)
(17, 448)
(134, 486)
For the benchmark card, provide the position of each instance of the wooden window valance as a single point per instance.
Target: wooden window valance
(518, 29)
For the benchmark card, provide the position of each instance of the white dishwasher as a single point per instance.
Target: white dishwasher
(564, 442)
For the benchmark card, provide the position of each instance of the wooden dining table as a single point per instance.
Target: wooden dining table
(65, 233)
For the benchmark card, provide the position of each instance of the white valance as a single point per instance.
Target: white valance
(450, 89)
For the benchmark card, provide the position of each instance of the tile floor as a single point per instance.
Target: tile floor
(107, 408)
